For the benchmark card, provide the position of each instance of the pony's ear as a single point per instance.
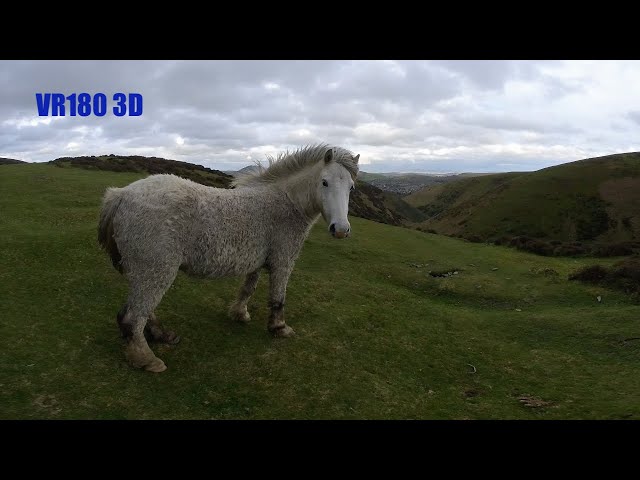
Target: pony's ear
(328, 156)
(356, 158)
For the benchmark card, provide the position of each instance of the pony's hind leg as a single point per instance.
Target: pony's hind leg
(138, 353)
(238, 309)
(146, 291)
(156, 333)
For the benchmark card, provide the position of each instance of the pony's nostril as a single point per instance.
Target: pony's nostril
(332, 228)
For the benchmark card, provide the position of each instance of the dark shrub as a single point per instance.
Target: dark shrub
(532, 245)
(624, 276)
(612, 250)
(565, 250)
(632, 244)
(503, 240)
(590, 274)
(474, 238)
(539, 247)
(519, 241)
(627, 268)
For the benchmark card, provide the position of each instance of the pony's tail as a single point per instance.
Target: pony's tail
(110, 205)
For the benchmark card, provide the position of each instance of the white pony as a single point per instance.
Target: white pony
(161, 224)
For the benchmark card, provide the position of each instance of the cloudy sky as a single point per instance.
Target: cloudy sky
(422, 116)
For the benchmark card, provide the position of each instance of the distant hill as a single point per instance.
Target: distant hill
(247, 169)
(591, 200)
(7, 161)
(436, 199)
(368, 177)
(408, 183)
(151, 165)
(367, 201)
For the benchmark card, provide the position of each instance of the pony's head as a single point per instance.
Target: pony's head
(337, 181)
(323, 176)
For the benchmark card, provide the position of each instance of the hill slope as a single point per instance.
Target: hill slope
(150, 165)
(368, 201)
(377, 336)
(595, 199)
(9, 161)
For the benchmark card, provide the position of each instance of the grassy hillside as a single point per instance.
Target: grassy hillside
(374, 204)
(589, 200)
(367, 177)
(378, 337)
(149, 165)
(8, 161)
(435, 200)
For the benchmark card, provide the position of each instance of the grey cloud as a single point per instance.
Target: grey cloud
(509, 122)
(493, 121)
(493, 74)
(489, 74)
(634, 116)
(416, 83)
(557, 88)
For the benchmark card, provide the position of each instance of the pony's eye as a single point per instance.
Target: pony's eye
(324, 183)
(352, 188)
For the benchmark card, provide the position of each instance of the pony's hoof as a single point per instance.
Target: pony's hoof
(156, 366)
(161, 336)
(283, 332)
(242, 317)
(139, 358)
(171, 338)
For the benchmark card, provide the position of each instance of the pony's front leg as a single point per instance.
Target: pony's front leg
(279, 277)
(238, 309)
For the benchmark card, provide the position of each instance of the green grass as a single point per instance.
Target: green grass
(377, 337)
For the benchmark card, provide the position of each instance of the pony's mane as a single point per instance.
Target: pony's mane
(286, 164)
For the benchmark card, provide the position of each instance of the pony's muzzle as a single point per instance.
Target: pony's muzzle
(339, 232)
